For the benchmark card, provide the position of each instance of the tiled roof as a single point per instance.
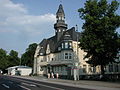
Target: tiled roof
(70, 34)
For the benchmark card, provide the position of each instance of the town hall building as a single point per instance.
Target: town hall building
(61, 53)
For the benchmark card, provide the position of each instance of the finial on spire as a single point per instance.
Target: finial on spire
(60, 1)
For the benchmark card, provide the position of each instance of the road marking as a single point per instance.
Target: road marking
(46, 86)
(24, 87)
(42, 85)
(29, 84)
(5, 86)
(50, 87)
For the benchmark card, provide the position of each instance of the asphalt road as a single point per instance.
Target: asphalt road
(13, 83)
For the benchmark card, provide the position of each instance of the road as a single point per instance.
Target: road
(14, 83)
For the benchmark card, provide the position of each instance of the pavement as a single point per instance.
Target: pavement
(94, 85)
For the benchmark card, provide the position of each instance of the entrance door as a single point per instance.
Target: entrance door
(69, 72)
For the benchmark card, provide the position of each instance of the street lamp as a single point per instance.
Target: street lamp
(76, 61)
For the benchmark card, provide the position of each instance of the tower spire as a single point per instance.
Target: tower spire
(60, 15)
(60, 25)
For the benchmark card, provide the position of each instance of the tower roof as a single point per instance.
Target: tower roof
(60, 10)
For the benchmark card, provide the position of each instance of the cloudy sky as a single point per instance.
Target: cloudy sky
(23, 22)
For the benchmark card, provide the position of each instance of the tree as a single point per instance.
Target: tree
(13, 58)
(3, 59)
(99, 37)
(28, 57)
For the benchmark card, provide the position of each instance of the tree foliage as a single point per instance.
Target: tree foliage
(28, 57)
(3, 59)
(8, 60)
(99, 37)
(13, 58)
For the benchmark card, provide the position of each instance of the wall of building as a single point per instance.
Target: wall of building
(25, 71)
(60, 63)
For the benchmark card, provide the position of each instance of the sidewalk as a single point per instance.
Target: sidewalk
(96, 85)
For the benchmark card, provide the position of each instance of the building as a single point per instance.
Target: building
(61, 53)
(19, 70)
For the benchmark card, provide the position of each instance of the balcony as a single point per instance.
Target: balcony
(58, 62)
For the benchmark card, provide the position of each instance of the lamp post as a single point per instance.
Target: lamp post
(76, 61)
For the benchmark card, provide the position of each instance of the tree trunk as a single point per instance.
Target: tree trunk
(102, 73)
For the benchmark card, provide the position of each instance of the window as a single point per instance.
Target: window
(41, 53)
(52, 59)
(66, 55)
(116, 67)
(84, 68)
(70, 45)
(94, 69)
(89, 68)
(62, 68)
(62, 45)
(55, 68)
(59, 48)
(110, 68)
(59, 18)
(41, 69)
(66, 44)
(70, 56)
(62, 18)
(59, 30)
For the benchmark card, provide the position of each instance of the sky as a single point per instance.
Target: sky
(23, 22)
